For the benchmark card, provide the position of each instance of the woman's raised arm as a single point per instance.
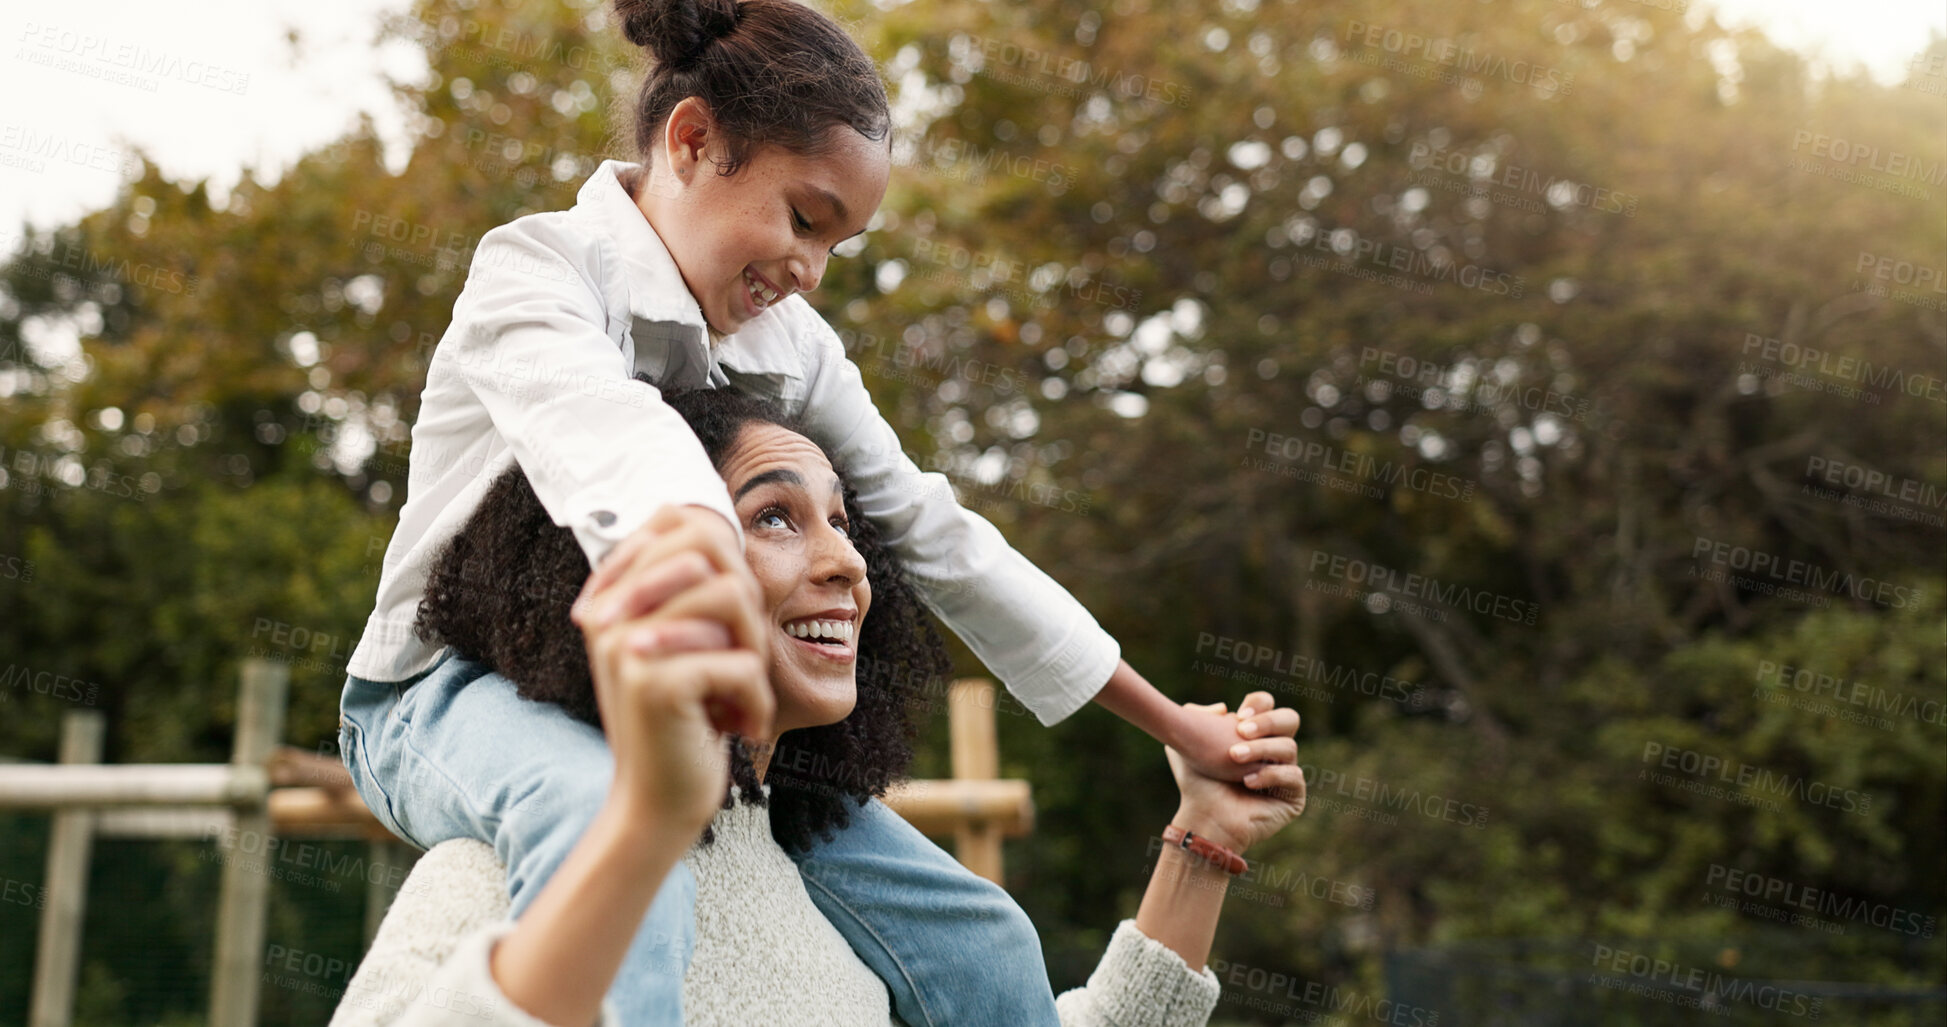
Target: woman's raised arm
(1186, 891)
(665, 716)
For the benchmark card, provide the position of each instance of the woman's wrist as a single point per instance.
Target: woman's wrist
(1204, 825)
(626, 832)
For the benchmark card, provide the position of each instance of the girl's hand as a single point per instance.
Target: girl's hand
(1218, 745)
(669, 684)
(1238, 816)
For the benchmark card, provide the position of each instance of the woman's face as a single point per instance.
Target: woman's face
(815, 591)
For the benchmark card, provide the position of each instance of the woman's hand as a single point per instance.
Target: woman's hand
(1239, 816)
(670, 682)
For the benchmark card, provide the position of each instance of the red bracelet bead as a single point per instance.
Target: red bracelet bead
(1205, 849)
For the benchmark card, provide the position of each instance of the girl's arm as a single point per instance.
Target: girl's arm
(1208, 740)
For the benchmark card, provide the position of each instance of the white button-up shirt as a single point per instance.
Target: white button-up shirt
(559, 312)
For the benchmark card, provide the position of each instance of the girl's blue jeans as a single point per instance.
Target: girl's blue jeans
(455, 753)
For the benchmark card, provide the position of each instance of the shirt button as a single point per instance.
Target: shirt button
(604, 518)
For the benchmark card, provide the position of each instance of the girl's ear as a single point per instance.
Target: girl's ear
(688, 135)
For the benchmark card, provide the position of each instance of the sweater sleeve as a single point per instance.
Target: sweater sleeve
(428, 966)
(461, 991)
(1140, 983)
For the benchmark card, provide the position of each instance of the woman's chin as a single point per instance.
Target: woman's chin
(815, 699)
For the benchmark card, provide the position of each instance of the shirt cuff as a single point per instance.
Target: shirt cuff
(464, 991)
(1071, 678)
(604, 524)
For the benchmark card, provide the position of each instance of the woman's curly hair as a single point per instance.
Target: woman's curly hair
(500, 591)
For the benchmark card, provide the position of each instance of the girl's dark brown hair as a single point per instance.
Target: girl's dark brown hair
(771, 71)
(500, 589)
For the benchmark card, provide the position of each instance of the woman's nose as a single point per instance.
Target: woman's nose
(837, 558)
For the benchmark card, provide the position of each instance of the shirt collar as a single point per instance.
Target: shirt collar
(656, 288)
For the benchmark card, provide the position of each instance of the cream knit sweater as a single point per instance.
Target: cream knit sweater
(764, 953)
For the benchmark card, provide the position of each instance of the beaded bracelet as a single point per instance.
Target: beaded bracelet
(1209, 851)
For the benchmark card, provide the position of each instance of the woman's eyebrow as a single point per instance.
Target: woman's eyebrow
(781, 474)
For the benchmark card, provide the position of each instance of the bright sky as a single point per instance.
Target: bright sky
(70, 119)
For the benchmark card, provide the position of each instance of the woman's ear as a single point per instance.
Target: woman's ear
(688, 136)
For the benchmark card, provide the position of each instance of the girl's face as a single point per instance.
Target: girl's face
(800, 550)
(746, 241)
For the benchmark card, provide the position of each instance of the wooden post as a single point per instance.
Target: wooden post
(237, 967)
(57, 961)
(976, 757)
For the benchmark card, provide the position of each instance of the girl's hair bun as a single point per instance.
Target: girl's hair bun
(676, 32)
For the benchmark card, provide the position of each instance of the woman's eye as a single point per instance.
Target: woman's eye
(844, 526)
(799, 220)
(770, 514)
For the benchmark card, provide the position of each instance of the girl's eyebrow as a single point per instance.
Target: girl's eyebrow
(838, 209)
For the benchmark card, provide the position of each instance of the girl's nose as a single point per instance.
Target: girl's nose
(809, 271)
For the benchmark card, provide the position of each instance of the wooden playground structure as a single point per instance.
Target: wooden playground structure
(272, 791)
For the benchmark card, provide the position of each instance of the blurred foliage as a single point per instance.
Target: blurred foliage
(1127, 246)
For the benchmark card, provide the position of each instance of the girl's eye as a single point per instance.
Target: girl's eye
(799, 220)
